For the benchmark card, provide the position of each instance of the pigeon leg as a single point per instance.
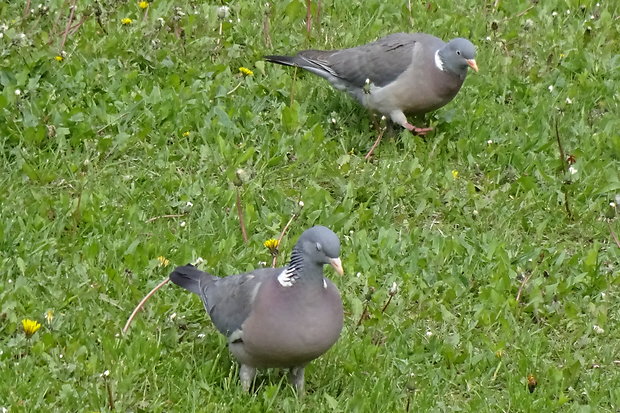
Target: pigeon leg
(246, 375)
(416, 130)
(296, 377)
(399, 117)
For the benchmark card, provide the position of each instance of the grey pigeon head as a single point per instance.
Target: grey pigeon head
(457, 55)
(320, 245)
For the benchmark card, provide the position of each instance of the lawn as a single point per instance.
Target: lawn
(127, 135)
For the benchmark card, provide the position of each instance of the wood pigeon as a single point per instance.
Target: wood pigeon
(403, 73)
(276, 317)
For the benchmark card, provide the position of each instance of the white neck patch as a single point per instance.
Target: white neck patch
(286, 278)
(324, 284)
(438, 62)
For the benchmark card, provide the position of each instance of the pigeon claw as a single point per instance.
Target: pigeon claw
(416, 130)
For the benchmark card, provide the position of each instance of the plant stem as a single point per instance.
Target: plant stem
(141, 304)
(244, 233)
(68, 26)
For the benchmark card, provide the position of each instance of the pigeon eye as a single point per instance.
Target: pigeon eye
(458, 52)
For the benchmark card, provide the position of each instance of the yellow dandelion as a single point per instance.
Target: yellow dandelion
(49, 316)
(272, 245)
(163, 261)
(499, 354)
(245, 71)
(455, 174)
(59, 58)
(143, 4)
(531, 383)
(126, 21)
(186, 133)
(30, 327)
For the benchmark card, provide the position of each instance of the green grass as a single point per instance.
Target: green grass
(95, 146)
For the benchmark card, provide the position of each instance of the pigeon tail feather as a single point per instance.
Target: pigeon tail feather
(190, 278)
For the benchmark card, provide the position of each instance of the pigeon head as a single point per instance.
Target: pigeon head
(457, 55)
(320, 245)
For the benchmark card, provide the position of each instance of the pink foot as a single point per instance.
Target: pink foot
(416, 130)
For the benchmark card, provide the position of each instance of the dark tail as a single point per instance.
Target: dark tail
(189, 277)
(282, 60)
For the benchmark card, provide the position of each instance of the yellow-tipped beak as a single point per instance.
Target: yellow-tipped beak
(472, 64)
(337, 264)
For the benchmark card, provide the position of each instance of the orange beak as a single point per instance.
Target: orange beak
(337, 264)
(472, 64)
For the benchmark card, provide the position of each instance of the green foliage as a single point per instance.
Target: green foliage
(125, 145)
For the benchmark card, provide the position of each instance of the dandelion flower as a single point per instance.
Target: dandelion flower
(223, 12)
(245, 71)
(272, 245)
(59, 58)
(186, 133)
(143, 4)
(163, 261)
(30, 327)
(393, 289)
(455, 174)
(531, 383)
(126, 21)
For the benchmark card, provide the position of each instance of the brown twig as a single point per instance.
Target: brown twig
(109, 390)
(164, 216)
(146, 13)
(613, 235)
(374, 145)
(69, 21)
(141, 303)
(524, 11)
(525, 280)
(389, 300)
(318, 15)
(363, 316)
(27, 9)
(308, 16)
(79, 24)
(267, 28)
(564, 168)
(244, 233)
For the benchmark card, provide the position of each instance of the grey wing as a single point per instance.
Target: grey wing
(381, 61)
(229, 300)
